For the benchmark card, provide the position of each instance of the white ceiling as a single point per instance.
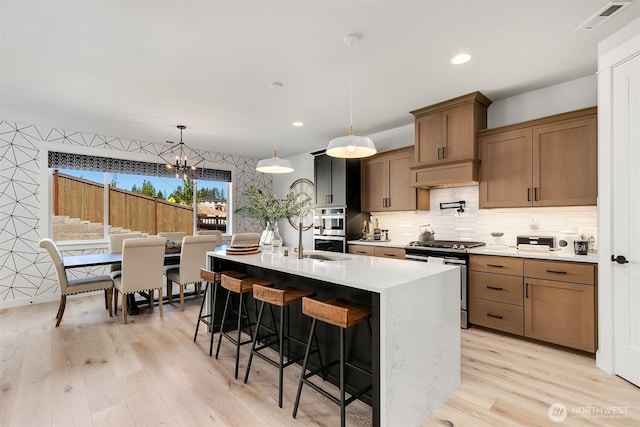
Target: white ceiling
(136, 69)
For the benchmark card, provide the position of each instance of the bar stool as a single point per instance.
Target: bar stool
(240, 287)
(212, 278)
(342, 314)
(282, 298)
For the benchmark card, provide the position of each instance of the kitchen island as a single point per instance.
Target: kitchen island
(414, 350)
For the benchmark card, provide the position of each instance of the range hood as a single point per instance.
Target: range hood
(450, 175)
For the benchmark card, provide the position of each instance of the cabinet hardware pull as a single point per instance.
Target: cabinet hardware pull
(526, 290)
(388, 201)
(495, 265)
(528, 194)
(392, 255)
(497, 316)
(535, 194)
(556, 272)
(495, 288)
(439, 153)
(444, 152)
(361, 252)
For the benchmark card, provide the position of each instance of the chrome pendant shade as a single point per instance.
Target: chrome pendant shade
(351, 146)
(274, 164)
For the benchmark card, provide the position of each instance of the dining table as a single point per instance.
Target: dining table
(93, 260)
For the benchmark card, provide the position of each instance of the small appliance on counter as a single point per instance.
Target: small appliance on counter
(542, 243)
(566, 240)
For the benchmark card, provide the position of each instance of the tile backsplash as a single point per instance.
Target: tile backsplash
(477, 224)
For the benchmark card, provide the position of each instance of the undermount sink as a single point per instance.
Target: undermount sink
(320, 257)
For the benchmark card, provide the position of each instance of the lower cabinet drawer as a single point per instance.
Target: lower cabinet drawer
(389, 252)
(362, 250)
(497, 315)
(496, 287)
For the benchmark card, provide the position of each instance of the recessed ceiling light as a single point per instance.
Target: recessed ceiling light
(297, 124)
(461, 58)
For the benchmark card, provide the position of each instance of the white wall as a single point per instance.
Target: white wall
(560, 98)
(303, 168)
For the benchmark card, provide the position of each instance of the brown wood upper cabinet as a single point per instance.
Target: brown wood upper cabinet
(445, 133)
(386, 183)
(545, 162)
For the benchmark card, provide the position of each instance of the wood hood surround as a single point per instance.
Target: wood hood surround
(446, 141)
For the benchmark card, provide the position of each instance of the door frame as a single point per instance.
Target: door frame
(611, 52)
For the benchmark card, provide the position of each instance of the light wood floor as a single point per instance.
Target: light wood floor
(93, 370)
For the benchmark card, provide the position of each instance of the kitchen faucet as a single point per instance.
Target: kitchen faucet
(304, 211)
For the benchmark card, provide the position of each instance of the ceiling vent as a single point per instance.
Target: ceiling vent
(603, 14)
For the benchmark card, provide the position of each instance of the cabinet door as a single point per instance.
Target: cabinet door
(385, 252)
(428, 147)
(401, 196)
(338, 182)
(322, 177)
(362, 250)
(374, 184)
(565, 163)
(458, 134)
(506, 171)
(561, 313)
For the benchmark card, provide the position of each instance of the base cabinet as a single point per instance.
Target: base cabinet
(552, 301)
(379, 251)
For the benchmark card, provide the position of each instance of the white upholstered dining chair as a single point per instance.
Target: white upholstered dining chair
(74, 286)
(142, 262)
(192, 259)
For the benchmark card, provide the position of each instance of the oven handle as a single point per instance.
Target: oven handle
(447, 260)
(327, 237)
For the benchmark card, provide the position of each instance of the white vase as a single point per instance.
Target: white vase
(497, 240)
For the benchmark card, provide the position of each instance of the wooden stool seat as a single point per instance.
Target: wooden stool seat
(337, 312)
(278, 297)
(240, 285)
(212, 278)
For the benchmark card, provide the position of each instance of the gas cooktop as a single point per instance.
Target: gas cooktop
(446, 244)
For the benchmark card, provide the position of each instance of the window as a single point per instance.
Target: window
(88, 204)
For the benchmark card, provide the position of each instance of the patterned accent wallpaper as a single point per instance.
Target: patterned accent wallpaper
(26, 273)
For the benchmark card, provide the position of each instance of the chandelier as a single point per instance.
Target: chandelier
(176, 160)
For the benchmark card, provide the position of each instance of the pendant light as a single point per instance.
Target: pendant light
(180, 165)
(274, 164)
(351, 146)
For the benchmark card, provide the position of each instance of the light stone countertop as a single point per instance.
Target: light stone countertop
(552, 255)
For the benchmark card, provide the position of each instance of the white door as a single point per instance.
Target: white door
(626, 217)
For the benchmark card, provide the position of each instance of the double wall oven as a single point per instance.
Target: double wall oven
(330, 229)
(449, 252)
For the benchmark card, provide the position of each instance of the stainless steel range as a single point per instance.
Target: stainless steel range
(452, 252)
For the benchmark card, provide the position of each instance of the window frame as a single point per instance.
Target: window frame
(46, 188)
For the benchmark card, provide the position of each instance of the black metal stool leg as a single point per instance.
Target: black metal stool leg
(342, 374)
(224, 317)
(255, 341)
(204, 297)
(240, 307)
(281, 367)
(304, 367)
(213, 314)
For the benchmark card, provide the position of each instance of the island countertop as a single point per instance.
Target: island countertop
(415, 324)
(374, 274)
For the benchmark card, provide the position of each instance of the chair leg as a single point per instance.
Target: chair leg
(169, 290)
(342, 373)
(280, 350)
(63, 303)
(240, 305)
(159, 301)
(181, 297)
(124, 308)
(109, 293)
(115, 301)
(151, 291)
(195, 335)
(213, 313)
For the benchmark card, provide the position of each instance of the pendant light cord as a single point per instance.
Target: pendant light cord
(275, 86)
(350, 60)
